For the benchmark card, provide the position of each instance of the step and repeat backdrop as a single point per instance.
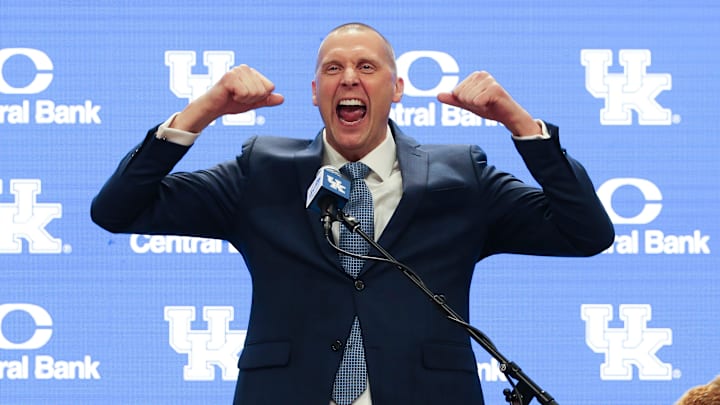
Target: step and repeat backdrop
(90, 317)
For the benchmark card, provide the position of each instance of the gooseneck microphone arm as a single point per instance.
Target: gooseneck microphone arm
(523, 391)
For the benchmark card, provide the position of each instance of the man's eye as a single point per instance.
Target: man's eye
(332, 69)
(366, 67)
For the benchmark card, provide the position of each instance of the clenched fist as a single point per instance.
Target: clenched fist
(482, 95)
(239, 90)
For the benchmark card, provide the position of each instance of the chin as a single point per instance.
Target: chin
(349, 134)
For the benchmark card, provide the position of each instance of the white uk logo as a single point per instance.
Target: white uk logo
(185, 84)
(633, 344)
(336, 184)
(26, 219)
(217, 346)
(634, 89)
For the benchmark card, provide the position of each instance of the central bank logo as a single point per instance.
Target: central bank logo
(632, 90)
(185, 84)
(632, 345)
(217, 346)
(41, 111)
(17, 361)
(26, 219)
(427, 73)
(646, 196)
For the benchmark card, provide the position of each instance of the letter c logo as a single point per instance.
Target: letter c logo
(447, 65)
(43, 324)
(649, 190)
(42, 63)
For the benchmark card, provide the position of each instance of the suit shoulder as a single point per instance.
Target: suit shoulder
(271, 142)
(454, 152)
(274, 146)
(446, 148)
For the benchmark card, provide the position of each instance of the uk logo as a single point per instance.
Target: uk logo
(632, 90)
(336, 184)
(188, 85)
(632, 345)
(26, 219)
(218, 346)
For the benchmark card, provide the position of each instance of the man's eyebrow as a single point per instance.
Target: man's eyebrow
(328, 62)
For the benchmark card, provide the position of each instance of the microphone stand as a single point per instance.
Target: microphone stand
(524, 390)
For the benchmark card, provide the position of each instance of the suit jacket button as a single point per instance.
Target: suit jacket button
(336, 345)
(359, 285)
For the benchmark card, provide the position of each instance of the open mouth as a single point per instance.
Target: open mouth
(351, 111)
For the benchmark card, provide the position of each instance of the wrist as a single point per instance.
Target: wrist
(525, 126)
(192, 119)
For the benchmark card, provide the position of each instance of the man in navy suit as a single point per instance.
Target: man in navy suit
(438, 208)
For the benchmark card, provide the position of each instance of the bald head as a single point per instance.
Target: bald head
(356, 27)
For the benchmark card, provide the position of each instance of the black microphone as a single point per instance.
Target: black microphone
(327, 194)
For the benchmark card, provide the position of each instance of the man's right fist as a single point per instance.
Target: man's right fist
(239, 90)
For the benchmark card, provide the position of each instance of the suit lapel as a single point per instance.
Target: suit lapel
(414, 169)
(307, 162)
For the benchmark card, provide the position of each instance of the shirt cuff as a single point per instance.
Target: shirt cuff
(544, 135)
(173, 135)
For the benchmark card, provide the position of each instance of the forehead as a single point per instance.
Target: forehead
(352, 43)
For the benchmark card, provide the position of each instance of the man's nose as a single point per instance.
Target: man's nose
(349, 77)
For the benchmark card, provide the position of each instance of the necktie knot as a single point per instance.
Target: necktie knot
(355, 170)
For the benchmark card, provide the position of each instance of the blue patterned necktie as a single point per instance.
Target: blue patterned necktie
(351, 377)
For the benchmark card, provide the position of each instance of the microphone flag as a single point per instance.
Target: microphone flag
(329, 183)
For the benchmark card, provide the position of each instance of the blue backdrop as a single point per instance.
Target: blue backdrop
(91, 317)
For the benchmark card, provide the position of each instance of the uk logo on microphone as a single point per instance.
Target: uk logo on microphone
(336, 184)
(328, 182)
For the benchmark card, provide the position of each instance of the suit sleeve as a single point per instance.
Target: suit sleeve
(142, 197)
(564, 218)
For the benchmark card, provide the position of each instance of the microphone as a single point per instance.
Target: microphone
(328, 193)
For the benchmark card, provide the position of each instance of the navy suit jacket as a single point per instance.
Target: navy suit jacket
(455, 210)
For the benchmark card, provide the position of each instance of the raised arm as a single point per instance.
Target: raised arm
(141, 196)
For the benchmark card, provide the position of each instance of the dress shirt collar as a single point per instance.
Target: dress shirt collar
(380, 160)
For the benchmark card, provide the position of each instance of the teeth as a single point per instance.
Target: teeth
(351, 102)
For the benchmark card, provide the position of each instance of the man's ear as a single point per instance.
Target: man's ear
(399, 88)
(314, 93)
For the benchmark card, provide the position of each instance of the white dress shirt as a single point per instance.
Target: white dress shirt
(383, 180)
